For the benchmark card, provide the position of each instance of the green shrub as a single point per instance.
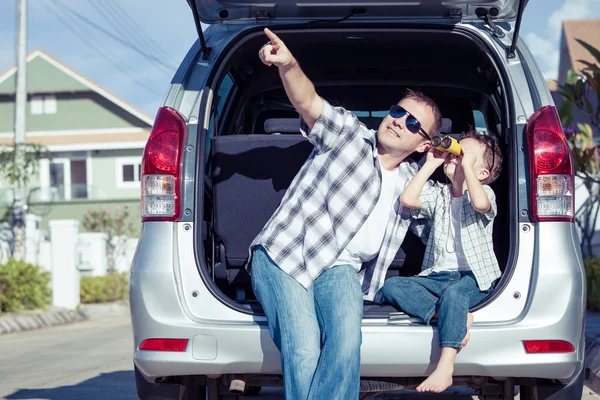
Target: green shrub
(102, 289)
(23, 286)
(592, 274)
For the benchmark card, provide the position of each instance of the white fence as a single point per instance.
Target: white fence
(67, 254)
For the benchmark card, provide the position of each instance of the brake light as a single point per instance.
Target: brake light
(176, 345)
(551, 168)
(161, 167)
(547, 346)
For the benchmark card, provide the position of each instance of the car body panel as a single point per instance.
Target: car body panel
(543, 297)
(288, 11)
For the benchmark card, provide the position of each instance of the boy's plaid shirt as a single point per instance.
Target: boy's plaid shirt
(329, 200)
(475, 232)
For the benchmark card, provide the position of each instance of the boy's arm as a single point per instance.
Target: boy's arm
(477, 194)
(411, 195)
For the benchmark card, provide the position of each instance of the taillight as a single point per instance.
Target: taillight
(161, 167)
(547, 346)
(552, 176)
(176, 345)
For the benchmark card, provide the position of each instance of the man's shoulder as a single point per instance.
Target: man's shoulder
(410, 167)
(337, 115)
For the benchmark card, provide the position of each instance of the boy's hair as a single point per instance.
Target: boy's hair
(492, 153)
(419, 97)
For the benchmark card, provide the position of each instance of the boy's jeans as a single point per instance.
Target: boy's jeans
(451, 294)
(317, 331)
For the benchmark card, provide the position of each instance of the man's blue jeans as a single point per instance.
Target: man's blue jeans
(317, 331)
(451, 294)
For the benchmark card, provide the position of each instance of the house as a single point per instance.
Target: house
(95, 141)
(571, 52)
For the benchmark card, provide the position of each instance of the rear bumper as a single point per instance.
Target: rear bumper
(168, 303)
(387, 350)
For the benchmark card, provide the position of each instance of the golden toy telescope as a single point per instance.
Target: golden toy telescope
(446, 143)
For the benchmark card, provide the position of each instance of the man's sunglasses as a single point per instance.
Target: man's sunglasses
(412, 123)
(492, 142)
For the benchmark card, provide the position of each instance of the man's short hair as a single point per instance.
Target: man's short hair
(492, 153)
(419, 97)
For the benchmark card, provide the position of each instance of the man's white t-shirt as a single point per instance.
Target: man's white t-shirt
(453, 256)
(365, 245)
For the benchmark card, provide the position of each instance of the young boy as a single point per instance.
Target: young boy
(459, 267)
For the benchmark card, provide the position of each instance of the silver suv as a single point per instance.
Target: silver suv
(226, 144)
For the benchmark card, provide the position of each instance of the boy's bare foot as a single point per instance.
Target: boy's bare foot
(468, 335)
(438, 381)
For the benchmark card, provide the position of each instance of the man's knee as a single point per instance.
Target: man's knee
(305, 348)
(346, 333)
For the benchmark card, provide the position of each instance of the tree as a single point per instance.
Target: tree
(579, 93)
(18, 164)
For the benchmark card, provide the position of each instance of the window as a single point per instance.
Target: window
(49, 104)
(58, 179)
(37, 105)
(129, 172)
(43, 104)
(479, 119)
(79, 189)
(226, 88)
(67, 179)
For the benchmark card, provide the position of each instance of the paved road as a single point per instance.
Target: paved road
(92, 361)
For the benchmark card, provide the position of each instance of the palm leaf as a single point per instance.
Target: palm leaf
(593, 51)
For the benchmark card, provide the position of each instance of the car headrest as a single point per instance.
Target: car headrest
(371, 122)
(446, 125)
(282, 125)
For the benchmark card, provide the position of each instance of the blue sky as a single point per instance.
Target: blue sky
(166, 31)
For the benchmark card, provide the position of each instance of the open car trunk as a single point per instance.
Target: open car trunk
(256, 147)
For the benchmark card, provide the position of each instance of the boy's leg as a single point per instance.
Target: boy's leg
(454, 308)
(293, 324)
(415, 295)
(468, 335)
(339, 305)
(441, 378)
(452, 327)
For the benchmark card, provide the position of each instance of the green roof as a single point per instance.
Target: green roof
(43, 77)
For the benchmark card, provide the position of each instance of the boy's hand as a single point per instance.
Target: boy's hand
(436, 157)
(275, 52)
(468, 158)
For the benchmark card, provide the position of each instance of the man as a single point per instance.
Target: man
(335, 233)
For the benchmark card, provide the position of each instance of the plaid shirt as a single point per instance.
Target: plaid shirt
(475, 232)
(329, 200)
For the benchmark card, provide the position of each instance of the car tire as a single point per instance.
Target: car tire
(572, 391)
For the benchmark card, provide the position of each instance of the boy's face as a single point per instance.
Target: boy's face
(453, 164)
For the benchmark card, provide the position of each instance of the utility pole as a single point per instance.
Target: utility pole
(20, 129)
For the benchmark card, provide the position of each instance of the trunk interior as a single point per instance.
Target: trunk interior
(254, 147)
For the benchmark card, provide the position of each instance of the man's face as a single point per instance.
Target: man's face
(395, 137)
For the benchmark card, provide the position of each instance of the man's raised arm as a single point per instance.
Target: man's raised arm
(298, 87)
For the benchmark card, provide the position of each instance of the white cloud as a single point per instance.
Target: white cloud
(571, 9)
(546, 47)
(546, 53)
